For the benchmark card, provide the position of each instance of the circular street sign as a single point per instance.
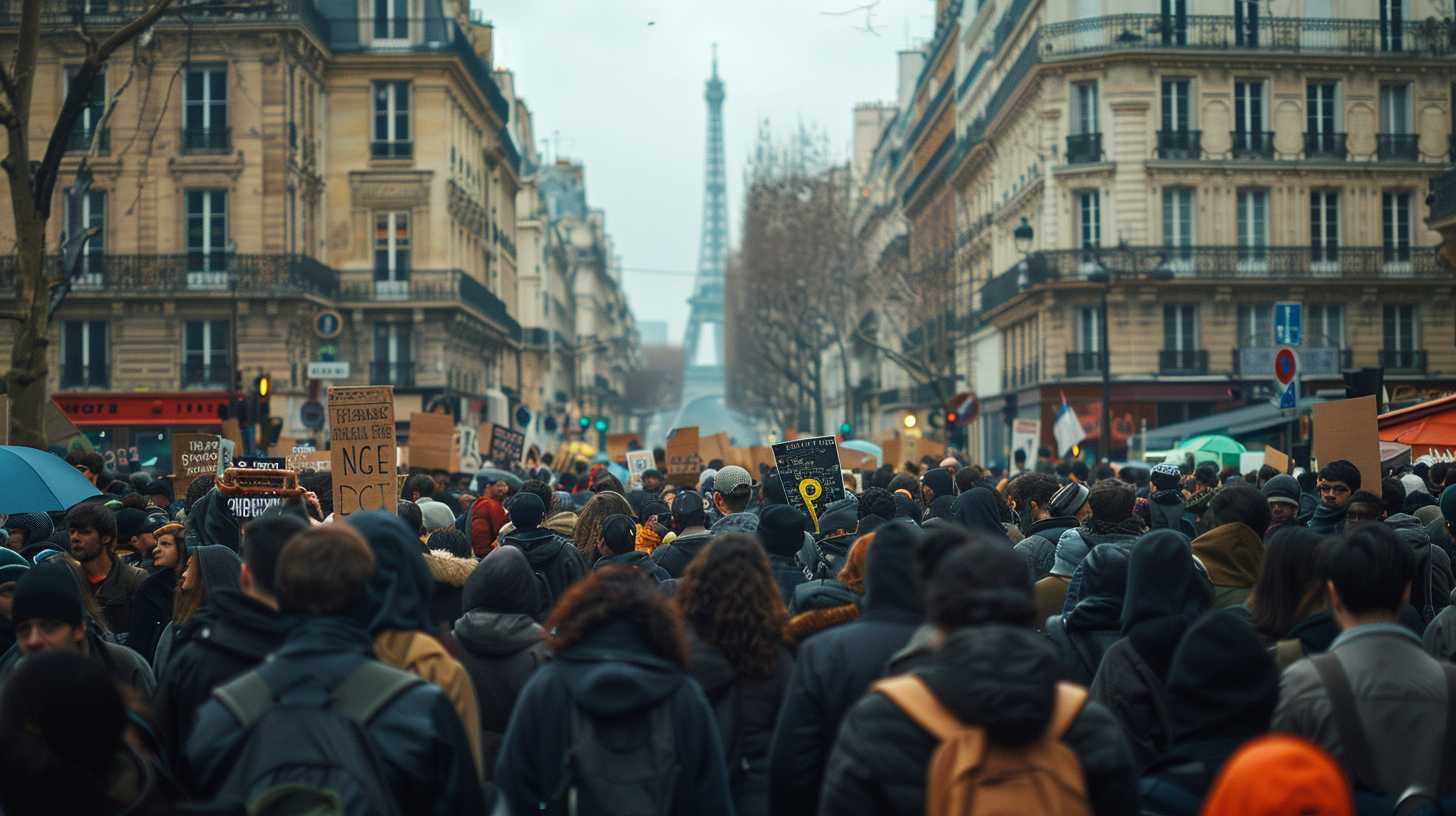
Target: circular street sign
(311, 414)
(1285, 365)
(328, 324)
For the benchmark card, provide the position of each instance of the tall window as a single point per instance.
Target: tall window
(1089, 330)
(1320, 121)
(207, 238)
(83, 354)
(1178, 227)
(1249, 136)
(1180, 337)
(82, 214)
(393, 362)
(391, 19)
(1392, 25)
(1089, 225)
(1395, 227)
(1175, 22)
(205, 109)
(1400, 327)
(1084, 107)
(1246, 22)
(392, 253)
(1324, 226)
(1256, 326)
(1324, 325)
(392, 120)
(1395, 109)
(87, 126)
(1253, 228)
(1175, 104)
(205, 353)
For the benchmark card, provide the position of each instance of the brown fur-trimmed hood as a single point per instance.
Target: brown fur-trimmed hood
(449, 569)
(815, 621)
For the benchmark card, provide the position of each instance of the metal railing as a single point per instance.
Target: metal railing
(1257, 361)
(1398, 146)
(212, 373)
(1183, 361)
(1253, 144)
(1325, 145)
(400, 373)
(1403, 361)
(1084, 148)
(95, 375)
(392, 150)
(1084, 364)
(206, 140)
(1180, 144)
(1142, 32)
(79, 140)
(437, 285)
(249, 275)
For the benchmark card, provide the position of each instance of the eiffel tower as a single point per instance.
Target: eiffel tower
(703, 344)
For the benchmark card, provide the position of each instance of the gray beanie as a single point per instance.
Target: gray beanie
(1282, 488)
(437, 515)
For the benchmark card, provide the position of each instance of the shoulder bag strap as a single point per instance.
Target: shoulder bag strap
(1347, 721)
(918, 702)
(1071, 699)
(369, 688)
(247, 697)
(1155, 688)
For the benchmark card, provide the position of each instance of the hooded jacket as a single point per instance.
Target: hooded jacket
(979, 511)
(746, 710)
(555, 558)
(610, 673)
(1433, 566)
(417, 737)
(218, 570)
(835, 667)
(485, 520)
(211, 522)
(1165, 594)
(449, 572)
(1039, 547)
(1232, 555)
(151, 609)
(943, 495)
(1166, 510)
(1071, 549)
(636, 559)
(675, 556)
(399, 606)
(1001, 678)
(1085, 633)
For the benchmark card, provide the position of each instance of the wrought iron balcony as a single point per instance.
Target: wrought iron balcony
(1403, 361)
(1326, 145)
(93, 375)
(443, 285)
(1084, 364)
(392, 150)
(1084, 148)
(1180, 144)
(400, 374)
(1398, 146)
(206, 140)
(211, 372)
(1257, 361)
(80, 140)
(1183, 361)
(152, 275)
(1296, 35)
(1253, 144)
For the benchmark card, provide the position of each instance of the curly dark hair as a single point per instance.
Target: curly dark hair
(614, 594)
(593, 516)
(729, 597)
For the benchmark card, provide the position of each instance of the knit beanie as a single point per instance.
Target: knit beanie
(1448, 504)
(47, 592)
(1166, 476)
(13, 565)
(781, 530)
(1282, 488)
(1414, 484)
(437, 515)
(1276, 775)
(37, 526)
(526, 510)
(619, 533)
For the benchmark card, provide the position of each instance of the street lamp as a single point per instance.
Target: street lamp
(1023, 235)
(1103, 275)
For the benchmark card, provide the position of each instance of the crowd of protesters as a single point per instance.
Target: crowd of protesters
(947, 638)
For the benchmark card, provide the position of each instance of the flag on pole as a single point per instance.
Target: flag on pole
(1067, 428)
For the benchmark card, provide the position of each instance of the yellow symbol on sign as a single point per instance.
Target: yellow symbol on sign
(810, 490)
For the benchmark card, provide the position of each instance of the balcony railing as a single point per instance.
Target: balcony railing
(1180, 144)
(1397, 146)
(206, 140)
(1183, 361)
(1403, 361)
(94, 375)
(400, 374)
(392, 150)
(1325, 145)
(1257, 361)
(1084, 364)
(213, 373)
(1253, 144)
(80, 140)
(1084, 148)
(1145, 32)
(248, 275)
(442, 285)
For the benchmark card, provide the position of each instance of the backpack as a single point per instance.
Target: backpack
(970, 775)
(624, 766)
(310, 754)
(826, 564)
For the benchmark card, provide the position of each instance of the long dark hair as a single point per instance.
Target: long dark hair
(729, 597)
(1289, 585)
(616, 594)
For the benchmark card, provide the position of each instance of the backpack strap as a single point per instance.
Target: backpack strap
(1347, 722)
(916, 699)
(247, 697)
(1158, 692)
(1071, 698)
(370, 688)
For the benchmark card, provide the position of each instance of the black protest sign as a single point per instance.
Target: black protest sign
(505, 446)
(250, 492)
(809, 472)
(362, 448)
(260, 462)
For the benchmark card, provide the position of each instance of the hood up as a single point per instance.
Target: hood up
(979, 510)
(1232, 554)
(890, 577)
(400, 589)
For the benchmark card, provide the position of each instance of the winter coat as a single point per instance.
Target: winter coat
(1124, 534)
(1327, 521)
(676, 556)
(1431, 563)
(788, 575)
(562, 523)
(1095, 623)
(449, 573)
(211, 522)
(1050, 595)
(610, 673)
(1308, 637)
(218, 571)
(979, 511)
(151, 611)
(1232, 555)
(834, 668)
(115, 596)
(637, 559)
(1166, 510)
(735, 523)
(500, 642)
(554, 557)
(486, 518)
(999, 677)
(1039, 546)
(124, 665)
(418, 738)
(820, 605)
(746, 710)
(1400, 699)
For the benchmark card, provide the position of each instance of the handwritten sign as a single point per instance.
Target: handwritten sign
(619, 443)
(309, 459)
(193, 455)
(638, 463)
(1277, 459)
(683, 464)
(432, 441)
(809, 471)
(260, 462)
(506, 446)
(363, 452)
(250, 492)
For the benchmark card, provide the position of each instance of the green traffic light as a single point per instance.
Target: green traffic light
(602, 424)
(845, 429)
(584, 422)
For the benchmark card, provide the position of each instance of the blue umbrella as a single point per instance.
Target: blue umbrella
(865, 446)
(38, 481)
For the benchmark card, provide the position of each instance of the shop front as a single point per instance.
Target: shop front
(133, 431)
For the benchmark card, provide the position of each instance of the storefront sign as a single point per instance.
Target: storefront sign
(143, 409)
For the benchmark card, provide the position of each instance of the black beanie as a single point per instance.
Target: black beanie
(47, 592)
(619, 534)
(781, 529)
(526, 511)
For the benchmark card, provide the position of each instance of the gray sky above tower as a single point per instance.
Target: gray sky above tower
(618, 84)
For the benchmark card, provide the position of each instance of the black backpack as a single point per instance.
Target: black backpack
(827, 563)
(306, 753)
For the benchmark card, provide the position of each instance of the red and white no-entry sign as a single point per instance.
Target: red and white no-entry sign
(1285, 365)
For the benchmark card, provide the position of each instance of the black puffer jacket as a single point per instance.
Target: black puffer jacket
(746, 711)
(1095, 623)
(999, 677)
(1039, 546)
(835, 667)
(676, 556)
(551, 555)
(500, 642)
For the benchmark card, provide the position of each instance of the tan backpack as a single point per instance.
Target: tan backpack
(970, 777)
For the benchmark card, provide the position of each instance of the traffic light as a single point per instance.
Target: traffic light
(951, 418)
(909, 421)
(584, 421)
(602, 424)
(846, 429)
(272, 429)
(262, 386)
(549, 423)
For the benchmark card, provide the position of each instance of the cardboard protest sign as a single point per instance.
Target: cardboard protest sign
(309, 459)
(1250, 461)
(618, 444)
(714, 447)
(683, 463)
(933, 448)
(193, 455)
(250, 492)
(638, 463)
(809, 471)
(892, 448)
(1276, 459)
(851, 459)
(362, 450)
(232, 432)
(1347, 429)
(432, 441)
(225, 450)
(761, 457)
(1025, 437)
(506, 446)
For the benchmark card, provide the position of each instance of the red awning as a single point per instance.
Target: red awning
(1429, 427)
(148, 409)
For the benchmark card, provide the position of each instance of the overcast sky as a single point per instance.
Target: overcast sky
(618, 85)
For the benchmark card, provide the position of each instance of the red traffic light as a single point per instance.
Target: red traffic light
(951, 417)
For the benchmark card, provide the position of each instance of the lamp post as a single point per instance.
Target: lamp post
(1104, 275)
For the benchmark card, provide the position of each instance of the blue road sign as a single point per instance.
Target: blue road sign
(1289, 396)
(1288, 323)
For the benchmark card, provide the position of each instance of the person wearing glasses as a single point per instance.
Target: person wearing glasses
(1338, 481)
